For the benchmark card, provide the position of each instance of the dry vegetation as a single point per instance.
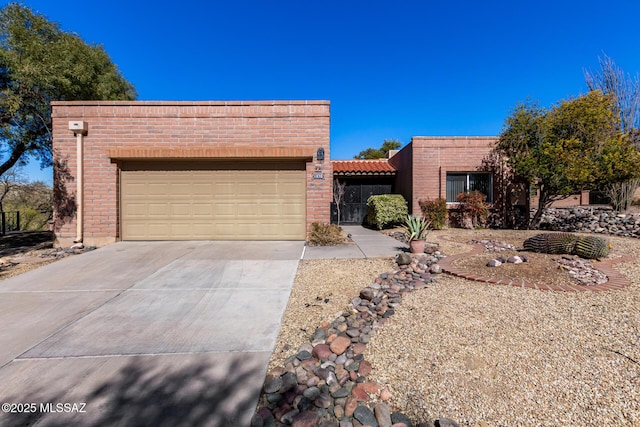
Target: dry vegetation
(481, 353)
(20, 252)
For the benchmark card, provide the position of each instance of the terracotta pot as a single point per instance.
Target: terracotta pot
(417, 246)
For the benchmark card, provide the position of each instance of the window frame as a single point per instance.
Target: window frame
(467, 185)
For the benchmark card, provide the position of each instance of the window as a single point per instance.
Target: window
(464, 182)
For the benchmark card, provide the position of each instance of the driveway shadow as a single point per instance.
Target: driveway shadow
(148, 391)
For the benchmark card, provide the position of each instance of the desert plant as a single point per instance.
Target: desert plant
(589, 247)
(435, 211)
(326, 235)
(592, 247)
(473, 209)
(416, 228)
(386, 209)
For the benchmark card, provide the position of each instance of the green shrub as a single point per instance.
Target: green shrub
(326, 235)
(386, 209)
(435, 211)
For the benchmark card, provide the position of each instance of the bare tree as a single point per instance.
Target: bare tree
(625, 90)
(338, 196)
(9, 181)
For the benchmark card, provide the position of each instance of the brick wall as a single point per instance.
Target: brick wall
(402, 161)
(150, 129)
(434, 156)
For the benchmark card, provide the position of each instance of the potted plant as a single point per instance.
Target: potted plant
(417, 229)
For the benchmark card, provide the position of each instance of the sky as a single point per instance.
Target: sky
(391, 69)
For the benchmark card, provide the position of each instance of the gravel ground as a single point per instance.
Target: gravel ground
(322, 289)
(480, 353)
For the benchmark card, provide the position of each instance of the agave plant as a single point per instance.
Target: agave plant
(416, 227)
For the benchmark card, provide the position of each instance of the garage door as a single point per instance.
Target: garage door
(213, 201)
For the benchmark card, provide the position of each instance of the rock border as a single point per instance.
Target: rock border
(325, 383)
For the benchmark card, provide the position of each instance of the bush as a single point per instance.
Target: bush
(386, 209)
(435, 211)
(326, 235)
(473, 209)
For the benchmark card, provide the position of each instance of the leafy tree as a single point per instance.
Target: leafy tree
(379, 153)
(625, 91)
(33, 201)
(40, 63)
(574, 145)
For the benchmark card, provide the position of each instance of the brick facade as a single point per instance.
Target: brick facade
(423, 164)
(185, 130)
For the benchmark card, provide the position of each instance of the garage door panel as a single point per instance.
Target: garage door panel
(137, 210)
(203, 189)
(270, 209)
(158, 209)
(213, 204)
(202, 209)
(181, 209)
(224, 189)
(158, 189)
(268, 189)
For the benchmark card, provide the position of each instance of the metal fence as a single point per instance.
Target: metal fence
(10, 222)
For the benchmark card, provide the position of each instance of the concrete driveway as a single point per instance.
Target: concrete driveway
(144, 333)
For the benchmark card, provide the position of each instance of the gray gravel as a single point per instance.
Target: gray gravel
(506, 356)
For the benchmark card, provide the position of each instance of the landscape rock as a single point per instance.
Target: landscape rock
(365, 416)
(325, 382)
(403, 259)
(382, 414)
(306, 419)
(340, 345)
(367, 294)
(322, 351)
(446, 422)
(399, 417)
(599, 220)
(494, 263)
(273, 385)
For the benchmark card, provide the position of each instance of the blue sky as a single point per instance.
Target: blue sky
(390, 69)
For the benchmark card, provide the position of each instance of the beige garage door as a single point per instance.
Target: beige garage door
(217, 201)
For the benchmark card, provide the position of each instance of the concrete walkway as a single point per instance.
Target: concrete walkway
(366, 244)
(144, 333)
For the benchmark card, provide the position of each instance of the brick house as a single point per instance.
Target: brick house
(190, 170)
(234, 170)
(431, 167)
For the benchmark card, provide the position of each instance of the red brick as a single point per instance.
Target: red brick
(184, 129)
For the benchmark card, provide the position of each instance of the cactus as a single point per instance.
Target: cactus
(551, 243)
(592, 247)
(588, 247)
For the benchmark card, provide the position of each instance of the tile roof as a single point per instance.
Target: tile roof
(362, 167)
